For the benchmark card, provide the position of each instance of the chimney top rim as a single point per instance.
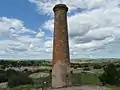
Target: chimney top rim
(59, 7)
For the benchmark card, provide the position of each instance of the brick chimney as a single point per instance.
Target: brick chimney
(61, 76)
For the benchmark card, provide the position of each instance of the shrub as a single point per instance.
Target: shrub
(10, 72)
(3, 76)
(118, 65)
(86, 69)
(75, 67)
(85, 65)
(111, 75)
(19, 79)
(3, 67)
(97, 66)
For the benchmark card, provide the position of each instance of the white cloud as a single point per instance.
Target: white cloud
(49, 25)
(10, 27)
(21, 42)
(41, 33)
(46, 6)
(92, 30)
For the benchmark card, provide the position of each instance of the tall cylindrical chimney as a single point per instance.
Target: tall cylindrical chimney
(61, 76)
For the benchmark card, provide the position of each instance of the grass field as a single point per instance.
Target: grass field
(114, 87)
(77, 79)
(89, 78)
(85, 78)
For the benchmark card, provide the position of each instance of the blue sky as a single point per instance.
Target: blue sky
(22, 10)
(26, 28)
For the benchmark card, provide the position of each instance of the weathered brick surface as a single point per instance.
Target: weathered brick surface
(60, 65)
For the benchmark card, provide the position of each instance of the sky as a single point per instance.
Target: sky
(27, 27)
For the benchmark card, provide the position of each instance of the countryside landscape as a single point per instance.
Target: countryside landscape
(59, 45)
(36, 74)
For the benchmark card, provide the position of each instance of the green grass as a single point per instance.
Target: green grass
(38, 83)
(114, 87)
(85, 78)
(77, 79)
(88, 78)
(25, 87)
(22, 87)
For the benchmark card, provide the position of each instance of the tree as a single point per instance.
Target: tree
(19, 78)
(97, 66)
(111, 75)
(86, 69)
(3, 76)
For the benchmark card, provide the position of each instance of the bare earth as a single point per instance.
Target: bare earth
(84, 87)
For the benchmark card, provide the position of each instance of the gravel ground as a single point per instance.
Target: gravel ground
(39, 75)
(84, 87)
(3, 85)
